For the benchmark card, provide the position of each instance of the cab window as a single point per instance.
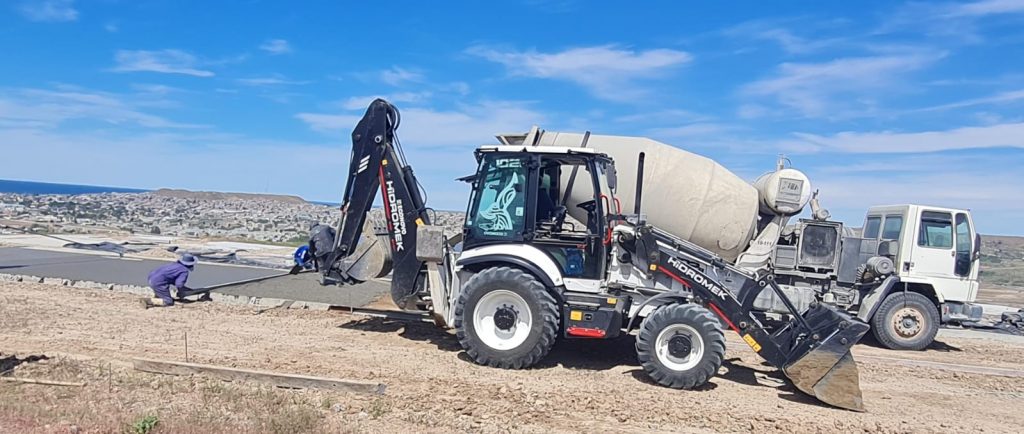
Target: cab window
(498, 209)
(871, 227)
(936, 230)
(963, 234)
(892, 227)
(964, 245)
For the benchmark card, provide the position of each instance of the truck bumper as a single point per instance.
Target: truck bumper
(953, 311)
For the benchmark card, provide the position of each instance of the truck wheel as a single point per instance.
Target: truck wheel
(505, 318)
(905, 321)
(681, 346)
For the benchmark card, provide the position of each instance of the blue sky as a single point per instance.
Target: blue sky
(879, 102)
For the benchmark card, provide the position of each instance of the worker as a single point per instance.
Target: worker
(164, 276)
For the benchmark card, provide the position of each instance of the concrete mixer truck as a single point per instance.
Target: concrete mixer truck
(552, 246)
(912, 268)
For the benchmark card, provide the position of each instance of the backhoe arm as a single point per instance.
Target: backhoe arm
(376, 163)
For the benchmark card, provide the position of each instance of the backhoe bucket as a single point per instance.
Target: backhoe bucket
(826, 368)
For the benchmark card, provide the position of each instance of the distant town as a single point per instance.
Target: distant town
(228, 216)
(262, 218)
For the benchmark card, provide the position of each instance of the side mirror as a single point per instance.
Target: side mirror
(976, 249)
(613, 178)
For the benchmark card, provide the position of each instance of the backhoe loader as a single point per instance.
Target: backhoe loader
(523, 273)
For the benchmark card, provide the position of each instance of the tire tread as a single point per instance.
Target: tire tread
(549, 316)
(698, 317)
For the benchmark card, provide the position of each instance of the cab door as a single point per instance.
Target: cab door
(933, 257)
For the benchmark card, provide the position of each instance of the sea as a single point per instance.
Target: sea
(30, 187)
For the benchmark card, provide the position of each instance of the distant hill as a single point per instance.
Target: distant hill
(213, 195)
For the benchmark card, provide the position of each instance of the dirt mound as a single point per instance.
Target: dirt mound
(157, 253)
(214, 195)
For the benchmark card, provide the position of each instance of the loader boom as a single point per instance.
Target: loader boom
(813, 349)
(377, 162)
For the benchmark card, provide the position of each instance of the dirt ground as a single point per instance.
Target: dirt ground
(1004, 295)
(431, 386)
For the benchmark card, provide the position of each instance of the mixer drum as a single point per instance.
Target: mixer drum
(686, 194)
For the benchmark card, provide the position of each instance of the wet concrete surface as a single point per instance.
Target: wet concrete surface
(131, 271)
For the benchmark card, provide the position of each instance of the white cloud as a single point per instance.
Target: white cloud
(839, 87)
(468, 125)
(661, 117)
(272, 80)
(773, 31)
(1003, 97)
(440, 143)
(361, 102)
(158, 89)
(194, 161)
(751, 111)
(990, 136)
(168, 61)
(608, 71)
(45, 108)
(328, 123)
(958, 22)
(985, 8)
(52, 11)
(276, 46)
(690, 131)
(396, 76)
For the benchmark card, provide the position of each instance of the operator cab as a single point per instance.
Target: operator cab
(559, 200)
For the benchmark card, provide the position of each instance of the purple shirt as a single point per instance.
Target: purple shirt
(170, 274)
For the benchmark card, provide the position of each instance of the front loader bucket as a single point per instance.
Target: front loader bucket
(826, 369)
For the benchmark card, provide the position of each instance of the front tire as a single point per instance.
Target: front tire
(505, 318)
(905, 321)
(681, 346)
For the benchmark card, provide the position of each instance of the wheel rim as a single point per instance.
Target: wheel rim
(665, 347)
(502, 319)
(908, 322)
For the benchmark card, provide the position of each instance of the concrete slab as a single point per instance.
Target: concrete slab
(88, 266)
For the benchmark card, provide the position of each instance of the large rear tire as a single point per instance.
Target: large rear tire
(681, 346)
(505, 318)
(905, 321)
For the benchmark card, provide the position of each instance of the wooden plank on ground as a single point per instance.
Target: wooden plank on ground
(274, 378)
(43, 382)
(970, 369)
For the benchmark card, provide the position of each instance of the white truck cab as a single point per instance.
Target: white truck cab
(912, 269)
(937, 254)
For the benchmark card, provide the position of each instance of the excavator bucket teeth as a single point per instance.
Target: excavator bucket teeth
(827, 370)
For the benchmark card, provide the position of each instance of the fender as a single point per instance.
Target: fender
(939, 296)
(869, 304)
(528, 257)
(658, 300)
